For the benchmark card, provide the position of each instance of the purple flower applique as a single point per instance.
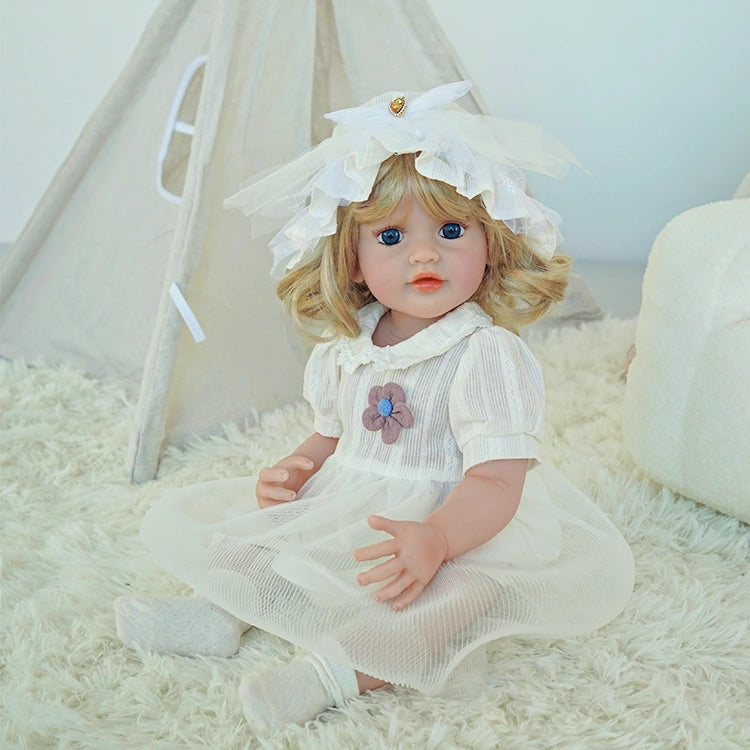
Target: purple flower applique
(387, 411)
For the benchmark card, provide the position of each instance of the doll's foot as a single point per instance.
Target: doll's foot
(295, 693)
(189, 626)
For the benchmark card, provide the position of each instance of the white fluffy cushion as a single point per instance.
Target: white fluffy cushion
(687, 407)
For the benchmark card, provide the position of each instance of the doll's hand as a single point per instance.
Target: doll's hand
(280, 483)
(418, 550)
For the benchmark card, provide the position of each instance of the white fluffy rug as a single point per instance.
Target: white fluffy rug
(672, 671)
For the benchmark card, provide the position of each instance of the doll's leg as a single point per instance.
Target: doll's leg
(366, 683)
(298, 692)
(188, 626)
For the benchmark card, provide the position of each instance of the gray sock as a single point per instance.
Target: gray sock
(295, 693)
(189, 626)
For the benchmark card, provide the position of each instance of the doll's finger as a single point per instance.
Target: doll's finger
(273, 475)
(266, 475)
(380, 572)
(297, 462)
(408, 596)
(274, 492)
(397, 586)
(380, 523)
(374, 551)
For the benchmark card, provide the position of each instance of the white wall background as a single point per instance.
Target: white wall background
(653, 97)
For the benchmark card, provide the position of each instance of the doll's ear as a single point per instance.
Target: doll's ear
(357, 275)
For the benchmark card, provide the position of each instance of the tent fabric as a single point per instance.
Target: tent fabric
(215, 91)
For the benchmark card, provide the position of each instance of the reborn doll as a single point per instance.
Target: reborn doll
(416, 524)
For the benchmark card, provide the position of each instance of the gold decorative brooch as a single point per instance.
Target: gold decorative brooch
(398, 106)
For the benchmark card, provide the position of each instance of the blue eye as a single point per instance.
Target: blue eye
(451, 230)
(390, 236)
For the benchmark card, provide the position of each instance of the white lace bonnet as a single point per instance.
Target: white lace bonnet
(478, 155)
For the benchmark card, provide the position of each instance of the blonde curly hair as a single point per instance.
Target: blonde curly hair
(518, 286)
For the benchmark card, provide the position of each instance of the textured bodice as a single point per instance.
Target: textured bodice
(459, 392)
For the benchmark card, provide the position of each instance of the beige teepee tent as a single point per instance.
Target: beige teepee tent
(132, 230)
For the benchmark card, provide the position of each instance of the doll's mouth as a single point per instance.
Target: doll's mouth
(426, 282)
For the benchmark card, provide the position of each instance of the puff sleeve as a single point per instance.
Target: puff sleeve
(496, 403)
(321, 388)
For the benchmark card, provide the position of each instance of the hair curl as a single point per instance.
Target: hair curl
(518, 286)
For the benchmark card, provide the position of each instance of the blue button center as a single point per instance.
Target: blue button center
(385, 407)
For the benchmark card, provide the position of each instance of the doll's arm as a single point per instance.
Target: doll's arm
(281, 482)
(478, 508)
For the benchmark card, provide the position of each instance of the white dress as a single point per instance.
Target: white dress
(411, 419)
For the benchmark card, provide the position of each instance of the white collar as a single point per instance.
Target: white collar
(430, 342)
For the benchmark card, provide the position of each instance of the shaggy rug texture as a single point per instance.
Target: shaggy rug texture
(672, 671)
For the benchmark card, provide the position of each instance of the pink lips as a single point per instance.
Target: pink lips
(426, 282)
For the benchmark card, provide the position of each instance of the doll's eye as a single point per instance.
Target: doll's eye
(451, 230)
(390, 236)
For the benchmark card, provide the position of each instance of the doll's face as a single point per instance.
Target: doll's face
(418, 266)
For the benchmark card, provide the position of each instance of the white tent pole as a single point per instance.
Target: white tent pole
(149, 428)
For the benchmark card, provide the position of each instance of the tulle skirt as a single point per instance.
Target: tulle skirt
(560, 568)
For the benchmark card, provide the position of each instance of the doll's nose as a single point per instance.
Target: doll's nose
(423, 251)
